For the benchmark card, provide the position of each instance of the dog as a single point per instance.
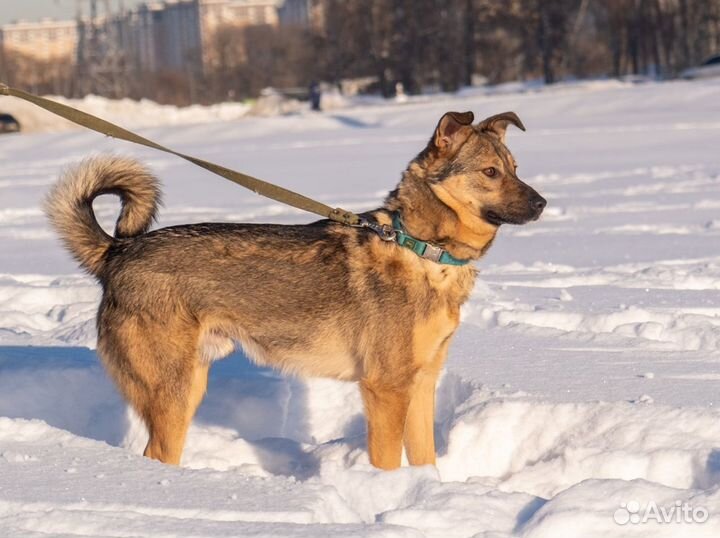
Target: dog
(322, 299)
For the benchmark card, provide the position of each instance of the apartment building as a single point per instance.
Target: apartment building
(177, 35)
(297, 12)
(46, 40)
(169, 35)
(140, 39)
(216, 13)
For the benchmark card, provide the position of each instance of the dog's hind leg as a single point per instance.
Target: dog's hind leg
(386, 409)
(156, 366)
(169, 414)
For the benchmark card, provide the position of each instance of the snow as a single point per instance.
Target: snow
(145, 113)
(580, 390)
(132, 114)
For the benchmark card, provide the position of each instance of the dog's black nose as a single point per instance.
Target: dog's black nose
(539, 203)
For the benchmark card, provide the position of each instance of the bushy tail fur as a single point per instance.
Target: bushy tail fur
(69, 206)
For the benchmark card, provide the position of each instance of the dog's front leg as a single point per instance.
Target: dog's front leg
(420, 423)
(386, 409)
(419, 426)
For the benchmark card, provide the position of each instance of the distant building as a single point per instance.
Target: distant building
(169, 35)
(179, 36)
(216, 13)
(295, 12)
(47, 40)
(219, 18)
(140, 37)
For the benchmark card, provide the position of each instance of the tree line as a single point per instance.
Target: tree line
(428, 45)
(442, 43)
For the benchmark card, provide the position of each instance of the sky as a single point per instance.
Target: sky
(11, 10)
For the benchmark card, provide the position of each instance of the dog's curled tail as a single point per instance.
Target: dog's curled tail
(69, 206)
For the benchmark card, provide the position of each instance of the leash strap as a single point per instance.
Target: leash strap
(254, 184)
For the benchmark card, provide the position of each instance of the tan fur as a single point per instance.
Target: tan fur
(69, 205)
(419, 429)
(317, 300)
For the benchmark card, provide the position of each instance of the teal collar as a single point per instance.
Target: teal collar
(422, 248)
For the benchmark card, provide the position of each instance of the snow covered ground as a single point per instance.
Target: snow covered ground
(131, 114)
(580, 393)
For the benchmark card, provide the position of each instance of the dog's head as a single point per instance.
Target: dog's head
(471, 170)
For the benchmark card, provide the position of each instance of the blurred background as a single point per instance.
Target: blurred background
(207, 51)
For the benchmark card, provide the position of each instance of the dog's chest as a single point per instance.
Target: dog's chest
(450, 285)
(447, 288)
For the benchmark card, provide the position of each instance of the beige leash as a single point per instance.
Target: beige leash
(256, 185)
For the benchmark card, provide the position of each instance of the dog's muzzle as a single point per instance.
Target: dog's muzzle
(538, 204)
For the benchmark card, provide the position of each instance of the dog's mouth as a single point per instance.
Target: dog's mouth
(496, 219)
(493, 218)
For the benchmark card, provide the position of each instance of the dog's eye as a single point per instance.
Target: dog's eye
(490, 172)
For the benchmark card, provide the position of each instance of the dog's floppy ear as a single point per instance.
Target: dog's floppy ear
(452, 130)
(498, 124)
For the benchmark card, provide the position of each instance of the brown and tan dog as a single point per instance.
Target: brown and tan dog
(321, 299)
